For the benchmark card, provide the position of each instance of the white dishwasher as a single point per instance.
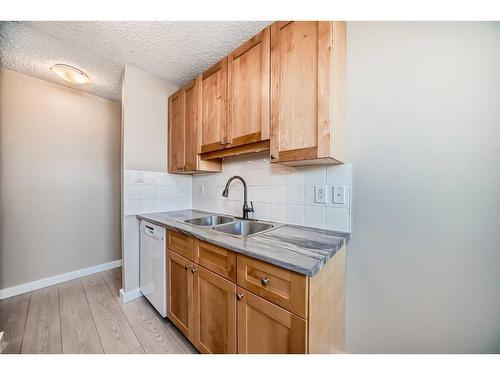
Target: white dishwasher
(153, 267)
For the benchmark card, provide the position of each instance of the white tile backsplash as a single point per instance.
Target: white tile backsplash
(338, 176)
(149, 192)
(315, 175)
(132, 192)
(295, 214)
(156, 193)
(295, 194)
(278, 212)
(280, 193)
(338, 219)
(314, 216)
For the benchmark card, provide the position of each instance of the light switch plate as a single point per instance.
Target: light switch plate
(202, 190)
(320, 194)
(339, 194)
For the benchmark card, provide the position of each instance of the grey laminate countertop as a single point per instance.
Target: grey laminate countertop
(301, 249)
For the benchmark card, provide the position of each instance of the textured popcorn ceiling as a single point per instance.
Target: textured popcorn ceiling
(172, 51)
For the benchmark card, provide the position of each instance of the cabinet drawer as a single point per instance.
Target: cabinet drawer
(283, 287)
(217, 259)
(181, 244)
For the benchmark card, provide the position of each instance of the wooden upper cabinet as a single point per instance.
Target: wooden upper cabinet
(212, 107)
(248, 91)
(184, 133)
(308, 92)
(176, 137)
(190, 113)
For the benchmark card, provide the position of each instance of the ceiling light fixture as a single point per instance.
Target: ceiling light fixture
(71, 74)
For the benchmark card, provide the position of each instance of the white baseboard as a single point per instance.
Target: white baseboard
(57, 279)
(2, 342)
(130, 295)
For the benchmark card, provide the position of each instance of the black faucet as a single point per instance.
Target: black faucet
(225, 193)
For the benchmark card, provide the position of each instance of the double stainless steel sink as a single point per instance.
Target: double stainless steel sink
(231, 226)
(210, 220)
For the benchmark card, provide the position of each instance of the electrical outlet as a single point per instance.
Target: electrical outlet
(202, 190)
(139, 178)
(338, 194)
(320, 193)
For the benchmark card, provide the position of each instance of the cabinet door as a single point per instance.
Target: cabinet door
(175, 133)
(180, 293)
(266, 328)
(305, 93)
(190, 113)
(248, 91)
(214, 313)
(184, 133)
(212, 103)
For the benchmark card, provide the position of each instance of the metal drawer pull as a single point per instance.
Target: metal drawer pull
(239, 296)
(264, 281)
(193, 270)
(188, 266)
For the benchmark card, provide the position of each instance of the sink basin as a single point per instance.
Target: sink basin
(210, 221)
(243, 228)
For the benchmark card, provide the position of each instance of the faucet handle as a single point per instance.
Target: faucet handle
(251, 207)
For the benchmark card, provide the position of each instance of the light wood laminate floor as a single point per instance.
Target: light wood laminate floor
(86, 315)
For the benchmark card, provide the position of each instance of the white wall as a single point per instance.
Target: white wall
(424, 140)
(279, 193)
(144, 152)
(59, 179)
(144, 110)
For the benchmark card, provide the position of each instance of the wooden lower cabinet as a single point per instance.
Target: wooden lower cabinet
(180, 293)
(267, 310)
(214, 313)
(265, 328)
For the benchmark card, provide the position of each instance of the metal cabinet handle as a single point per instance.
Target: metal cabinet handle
(264, 281)
(193, 270)
(188, 266)
(273, 157)
(239, 296)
